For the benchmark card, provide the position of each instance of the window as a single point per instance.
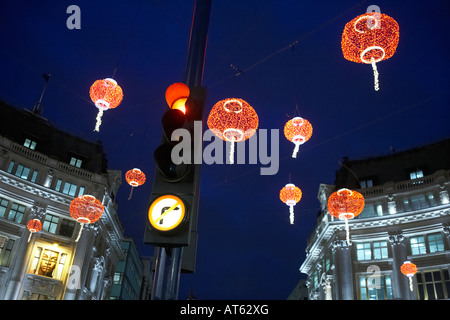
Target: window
(30, 144)
(418, 245)
(118, 277)
(372, 250)
(58, 185)
(22, 172)
(375, 287)
(433, 285)
(363, 251)
(50, 223)
(81, 191)
(435, 242)
(70, 189)
(34, 176)
(10, 167)
(3, 206)
(6, 246)
(366, 183)
(418, 202)
(431, 243)
(380, 250)
(16, 212)
(371, 211)
(75, 162)
(48, 263)
(67, 227)
(416, 174)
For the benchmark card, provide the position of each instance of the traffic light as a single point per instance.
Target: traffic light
(174, 199)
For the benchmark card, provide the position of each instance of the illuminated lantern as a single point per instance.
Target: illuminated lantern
(370, 38)
(298, 131)
(85, 209)
(290, 195)
(233, 120)
(409, 269)
(34, 225)
(345, 204)
(176, 96)
(135, 178)
(106, 94)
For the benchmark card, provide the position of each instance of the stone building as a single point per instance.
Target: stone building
(42, 169)
(406, 218)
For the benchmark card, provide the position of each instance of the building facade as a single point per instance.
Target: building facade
(406, 217)
(129, 275)
(42, 169)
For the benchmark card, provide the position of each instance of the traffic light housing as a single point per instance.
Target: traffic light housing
(177, 173)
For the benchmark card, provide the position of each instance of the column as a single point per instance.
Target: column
(343, 270)
(400, 283)
(80, 263)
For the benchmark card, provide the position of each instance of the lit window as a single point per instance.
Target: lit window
(75, 162)
(418, 245)
(381, 290)
(363, 251)
(50, 223)
(58, 185)
(30, 144)
(16, 212)
(380, 250)
(416, 174)
(34, 176)
(118, 277)
(22, 172)
(69, 189)
(10, 167)
(3, 206)
(435, 242)
(48, 263)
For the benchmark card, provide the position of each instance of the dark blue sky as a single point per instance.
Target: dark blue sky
(247, 248)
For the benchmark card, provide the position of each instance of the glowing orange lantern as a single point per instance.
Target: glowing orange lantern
(106, 94)
(298, 131)
(370, 38)
(85, 209)
(290, 195)
(409, 269)
(34, 225)
(135, 178)
(345, 204)
(233, 120)
(176, 96)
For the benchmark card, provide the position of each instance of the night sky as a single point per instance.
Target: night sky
(247, 249)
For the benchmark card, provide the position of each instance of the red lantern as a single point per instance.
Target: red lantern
(345, 204)
(298, 131)
(370, 38)
(233, 120)
(85, 209)
(409, 269)
(290, 195)
(34, 225)
(135, 178)
(176, 96)
(106, 94)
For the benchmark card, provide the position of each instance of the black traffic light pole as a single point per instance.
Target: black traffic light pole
(168, 259)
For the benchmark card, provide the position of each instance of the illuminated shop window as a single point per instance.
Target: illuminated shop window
(48, 263)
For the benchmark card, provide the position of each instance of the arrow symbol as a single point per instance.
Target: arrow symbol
(166, 212)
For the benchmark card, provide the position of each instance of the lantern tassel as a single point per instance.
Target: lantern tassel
(410, 284)
(291, 215)
(375, 75)
(347, 230)
(294, 154)
(79, 233)
(99, 120)
(232, 151)
(131, 192)
(29, 237)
